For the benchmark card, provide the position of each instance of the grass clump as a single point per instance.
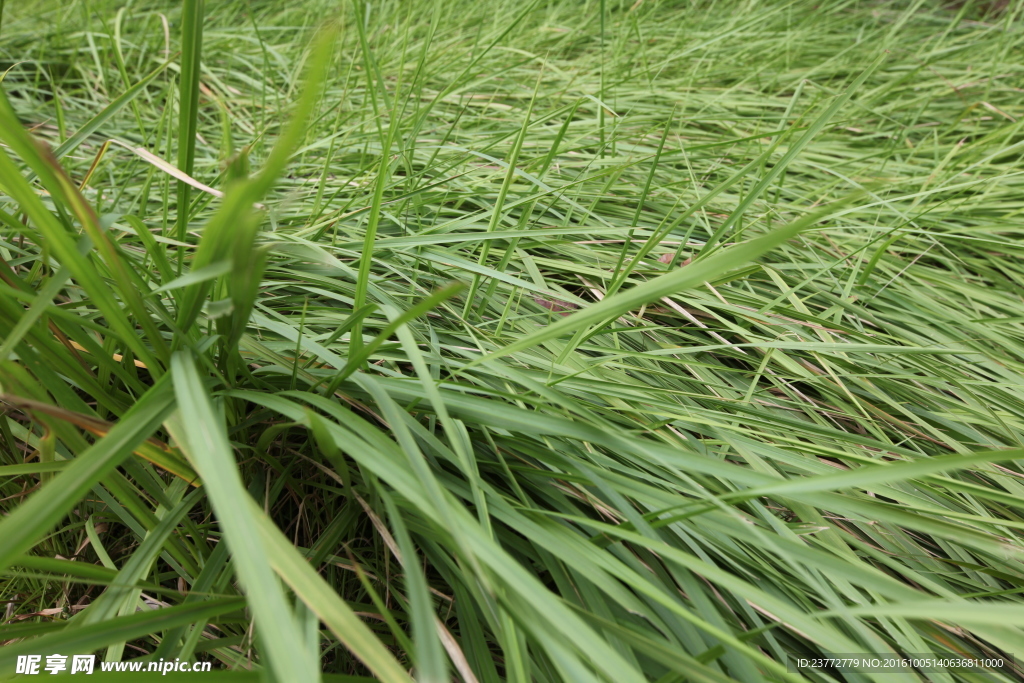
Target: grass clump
(489, 341)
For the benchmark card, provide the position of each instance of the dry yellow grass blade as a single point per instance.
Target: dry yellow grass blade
(116, 356)
(153, 450)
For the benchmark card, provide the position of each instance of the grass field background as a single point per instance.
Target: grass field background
(480, 341)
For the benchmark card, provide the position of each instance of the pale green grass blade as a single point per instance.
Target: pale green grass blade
(236, 214)
(205, 443)
(97, 122)
(791, 154)
(665, 285)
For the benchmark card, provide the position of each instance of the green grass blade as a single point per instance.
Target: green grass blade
(664, 285)
(790, 154)
(188, 101)
(311, 588)
(236, 214)
(30, 521)
(70, 639)
(206, 445)
(108, 112)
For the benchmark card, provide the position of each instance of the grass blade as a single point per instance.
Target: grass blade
(188, 101)
(31, 520)
(664, 285)
(206, 445)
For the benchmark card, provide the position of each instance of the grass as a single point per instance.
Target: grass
(583, 341)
